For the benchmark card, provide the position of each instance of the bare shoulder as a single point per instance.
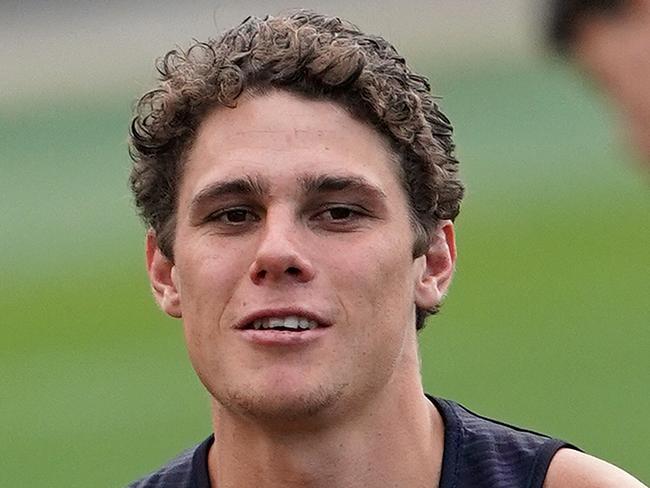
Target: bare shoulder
(575, 469)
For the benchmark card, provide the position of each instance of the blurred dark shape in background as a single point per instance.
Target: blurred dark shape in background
(610, 41)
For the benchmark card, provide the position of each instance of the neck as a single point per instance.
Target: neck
(396, 439)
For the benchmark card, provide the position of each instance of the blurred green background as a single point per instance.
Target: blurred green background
(546, 325)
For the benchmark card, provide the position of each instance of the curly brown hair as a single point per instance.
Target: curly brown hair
(312, 55)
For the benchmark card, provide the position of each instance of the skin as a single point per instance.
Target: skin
(291, 206)
(614, 50)
(573, 469)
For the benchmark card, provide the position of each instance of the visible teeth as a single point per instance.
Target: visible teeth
(292, 322)
(274, 323)
(306, 323)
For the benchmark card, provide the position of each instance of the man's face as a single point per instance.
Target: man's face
(615, 50)
(291, 214)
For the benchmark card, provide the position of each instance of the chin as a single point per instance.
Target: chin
(273, 405)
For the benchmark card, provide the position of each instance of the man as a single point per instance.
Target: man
(299, 184)
(610, 40)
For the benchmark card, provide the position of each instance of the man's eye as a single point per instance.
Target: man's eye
(340, 213)
(232, 216)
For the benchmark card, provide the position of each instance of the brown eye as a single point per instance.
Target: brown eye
(232, 216)
(340, 213)
(235, 216)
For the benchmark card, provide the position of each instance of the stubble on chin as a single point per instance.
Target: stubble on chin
(279, 408)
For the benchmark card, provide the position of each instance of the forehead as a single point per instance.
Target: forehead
(281, 136)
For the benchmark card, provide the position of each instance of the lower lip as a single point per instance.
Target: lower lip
(282, 337)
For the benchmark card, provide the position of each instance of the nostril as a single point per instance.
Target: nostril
(285, 266)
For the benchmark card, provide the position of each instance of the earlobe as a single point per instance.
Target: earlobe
(163, 277)
(435, 273)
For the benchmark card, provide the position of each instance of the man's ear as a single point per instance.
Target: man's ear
(434, 276)
(163, 278)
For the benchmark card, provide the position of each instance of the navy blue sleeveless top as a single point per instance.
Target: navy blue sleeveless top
(478, 453)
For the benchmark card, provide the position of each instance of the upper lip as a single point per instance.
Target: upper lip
(280, 313)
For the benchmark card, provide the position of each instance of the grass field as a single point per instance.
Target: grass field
(546, 324)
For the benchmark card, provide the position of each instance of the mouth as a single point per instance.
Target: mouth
(282, 327)
(292, 323)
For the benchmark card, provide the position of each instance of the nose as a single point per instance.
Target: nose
(280, 256)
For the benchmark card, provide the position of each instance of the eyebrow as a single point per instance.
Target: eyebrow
(333, 183)
(257, 187)
(248, 185)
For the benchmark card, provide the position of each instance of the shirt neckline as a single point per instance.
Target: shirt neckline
(448, 471)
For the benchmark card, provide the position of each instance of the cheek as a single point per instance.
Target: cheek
(207, 283)
(378, 283)
(380, 311)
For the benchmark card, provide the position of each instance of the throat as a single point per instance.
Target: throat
(353, 455)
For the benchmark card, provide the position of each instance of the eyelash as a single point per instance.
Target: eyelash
(220, 216)
(353, 213)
